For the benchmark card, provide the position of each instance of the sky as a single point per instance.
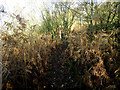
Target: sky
(30, 9)
(26, 8)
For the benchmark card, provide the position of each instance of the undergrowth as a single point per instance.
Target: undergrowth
(31, 61)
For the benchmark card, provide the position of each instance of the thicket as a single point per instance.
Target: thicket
(84, 59)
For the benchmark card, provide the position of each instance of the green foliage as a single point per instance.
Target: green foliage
(61, 18)
(108, 15)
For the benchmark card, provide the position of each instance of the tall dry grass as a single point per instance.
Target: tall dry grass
(91, 64)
